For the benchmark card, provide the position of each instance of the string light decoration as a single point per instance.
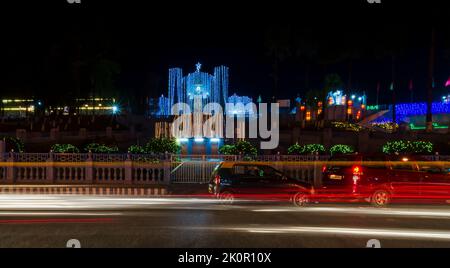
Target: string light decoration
(183, 89)
(403, 111)
(405, 146)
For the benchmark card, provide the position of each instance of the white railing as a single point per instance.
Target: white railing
(24, 168)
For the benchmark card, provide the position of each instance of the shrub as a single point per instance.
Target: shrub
(404, 146)
(228, 150)
(246, 148)
(101, 148)
(314, 148)
(162, 145)
(64, 148)
(240, 148)
(136, 149)
(341, 149)
(296, 149)
(13, 143)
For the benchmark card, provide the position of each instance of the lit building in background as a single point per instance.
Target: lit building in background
(199, 89)
(17, 108)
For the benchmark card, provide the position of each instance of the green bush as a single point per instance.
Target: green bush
(228, 150)
(162, 145)
(13, 143)
(314, 148)
(64, 148)
(101, 148)
(408, 147)
(246, 148)
(296, 149)
(341, 149)
(240, 148)
(136, 149)
(422, 147)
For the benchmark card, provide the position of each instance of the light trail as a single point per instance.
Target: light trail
(313, 230)
(406, 212)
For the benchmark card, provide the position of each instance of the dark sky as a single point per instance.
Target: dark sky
(41, 40)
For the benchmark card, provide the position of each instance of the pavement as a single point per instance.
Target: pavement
(174, 222)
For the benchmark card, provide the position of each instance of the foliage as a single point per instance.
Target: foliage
(347, 126)
(64, 148)
(240, 148)
(422, 147)
(341, 149)
(136, 149)
(13, 143)
(162, 145)
(228, 150)
(246, 148)
(297, 149)
(314, 148)
(390, 127)
(404, 146)
(101, 148)
(333, 82)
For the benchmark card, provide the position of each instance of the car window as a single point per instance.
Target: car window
(239, 170)
(431, 169)
(272, 173)
(248, 171)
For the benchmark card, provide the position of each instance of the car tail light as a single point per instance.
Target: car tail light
(357, 172)
(217, 179)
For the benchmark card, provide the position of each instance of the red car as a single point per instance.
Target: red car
(381, 179)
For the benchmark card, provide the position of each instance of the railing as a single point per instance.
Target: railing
(143, 169)
(50, 168)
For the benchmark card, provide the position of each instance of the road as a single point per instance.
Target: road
(50, 221)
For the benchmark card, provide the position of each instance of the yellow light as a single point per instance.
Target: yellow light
(308, 116)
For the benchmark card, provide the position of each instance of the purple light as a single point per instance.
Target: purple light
(447, 83)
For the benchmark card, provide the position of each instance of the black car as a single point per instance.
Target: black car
(234, 180)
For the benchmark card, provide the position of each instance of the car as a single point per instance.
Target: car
(260, 181)
(383, 179)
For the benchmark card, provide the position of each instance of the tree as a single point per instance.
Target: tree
(333, 82)
(103, 74)
(429, 125)
(278, 46)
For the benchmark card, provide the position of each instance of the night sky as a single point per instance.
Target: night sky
(43, 40)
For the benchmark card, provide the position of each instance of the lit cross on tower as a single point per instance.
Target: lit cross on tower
(199, 66)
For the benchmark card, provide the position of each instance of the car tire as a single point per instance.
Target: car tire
(300, 199)
(226, 198)
(380, 198)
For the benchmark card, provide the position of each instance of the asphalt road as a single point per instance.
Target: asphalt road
(51, 221)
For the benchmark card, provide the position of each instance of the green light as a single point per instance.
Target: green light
(435, 126)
